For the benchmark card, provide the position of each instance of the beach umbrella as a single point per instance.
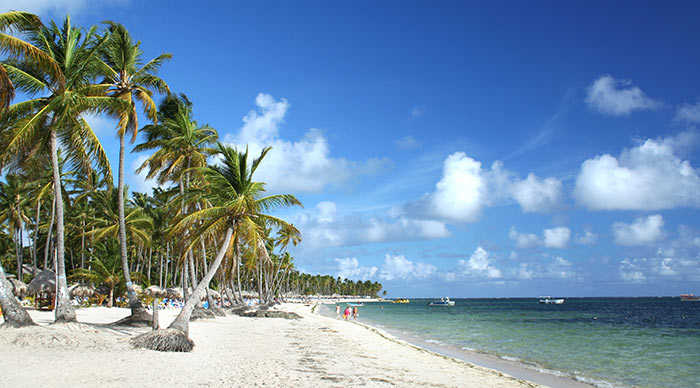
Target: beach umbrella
(174, 293)
(19, 289)
(138, 289)
(44, 281)
(214, 294)
(155, 292)
(81, 290)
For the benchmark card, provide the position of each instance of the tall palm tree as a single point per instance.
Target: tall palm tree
(181, 145)
(131, 80)
(12, 210)
(41, 122)
(237, 208)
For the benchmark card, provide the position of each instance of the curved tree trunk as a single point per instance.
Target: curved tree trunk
(182, 321)
(47, 248)
(138, 312)
(35, 237)
(64, 309)
(12, 311)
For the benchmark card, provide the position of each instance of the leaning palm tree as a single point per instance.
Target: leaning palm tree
(237, 209)
(41, 122)
(12, 311)
(131, 80)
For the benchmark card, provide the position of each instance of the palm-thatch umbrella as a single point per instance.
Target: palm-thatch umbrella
(43, 282)
(213, 293)
(19, 289)
(155, 292)
(174, 293)
(81, 290)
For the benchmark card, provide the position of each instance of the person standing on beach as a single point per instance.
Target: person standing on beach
(355, 313)
(347, 313)
(337, 311)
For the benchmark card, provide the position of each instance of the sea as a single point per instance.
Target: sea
(644, 342)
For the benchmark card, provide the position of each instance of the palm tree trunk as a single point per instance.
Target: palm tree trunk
(134, 302)
(82, 247)
(36, 235)
(182, 320)
(47, 248)
(12, 311)
(64, 309)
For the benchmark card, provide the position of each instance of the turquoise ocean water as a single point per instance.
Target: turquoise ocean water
(607, 342)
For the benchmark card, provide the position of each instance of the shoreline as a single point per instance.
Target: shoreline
(515, 368)
(231, 351)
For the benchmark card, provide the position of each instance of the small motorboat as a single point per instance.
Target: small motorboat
(355, 304)
(401, 300)
(690, 298)
(550, 300)
(443, 302)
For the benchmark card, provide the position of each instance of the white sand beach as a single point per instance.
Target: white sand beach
(232, 351)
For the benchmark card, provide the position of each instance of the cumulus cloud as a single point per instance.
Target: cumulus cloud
(302, 166)
(537, 195)
(349, 268)
(466, 188)
(557, 237)
(617, 97)
(479, 265)
(642, 231)
(689, 113)
(588, 237)
(650, 176)
(560, 268)
(523, 240)
(400, 268)
(630, 273)
(406, 143)
(326, 226)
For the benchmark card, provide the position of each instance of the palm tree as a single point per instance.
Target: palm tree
(181, 145)
(237, 207)
(39, 122)
(12, 210)
(131, 80)
(15, 47)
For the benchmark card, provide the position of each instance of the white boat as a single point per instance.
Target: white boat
(550, 300)
(446, 302)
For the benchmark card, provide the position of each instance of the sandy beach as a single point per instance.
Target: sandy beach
(230, 351)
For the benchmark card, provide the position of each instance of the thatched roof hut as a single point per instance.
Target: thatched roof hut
(155, 292)
(173, 293)
(81, 290)
(19, 289)
(43, 282)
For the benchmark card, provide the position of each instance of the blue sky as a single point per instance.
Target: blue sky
(483, 149)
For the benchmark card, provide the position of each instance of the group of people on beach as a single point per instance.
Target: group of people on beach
(355, 312)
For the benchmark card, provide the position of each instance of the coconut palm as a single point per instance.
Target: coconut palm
(237, 207)
(181, 145)
(131, 80)
(12, 211)
(39, 123)
(15, 47)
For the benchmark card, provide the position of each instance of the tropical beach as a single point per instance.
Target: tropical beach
(231, 351)
(342, 194)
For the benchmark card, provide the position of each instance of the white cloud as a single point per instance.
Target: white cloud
(398, 267)
(588, 237)
(557, 237)
(524, 272)
(52, 7)
(560, 268)
(139, 182)
(407, 143)
(537, 195)
(642, 231)
(689, 113)
(650, 176)
(629, 272)
(302, 166)
(418, 111)
(523, 240)
(617, 97)
(101, 125)
(349, 268)
(326, 226)
(479, 265)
